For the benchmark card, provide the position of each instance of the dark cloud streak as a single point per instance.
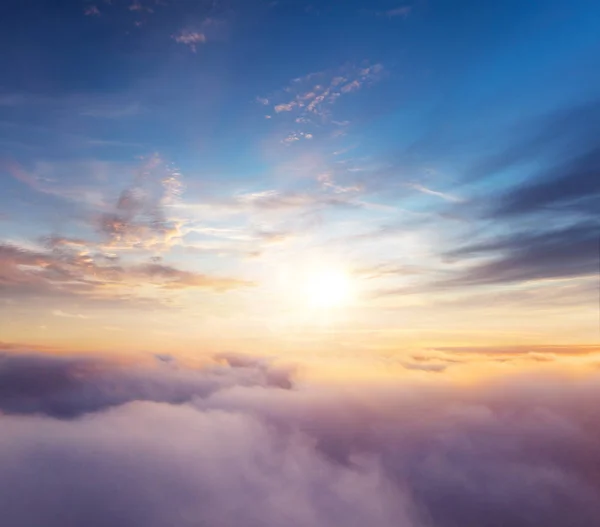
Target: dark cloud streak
(522, 256)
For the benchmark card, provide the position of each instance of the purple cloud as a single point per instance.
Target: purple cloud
(239, 443)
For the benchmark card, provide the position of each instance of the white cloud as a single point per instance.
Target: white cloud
(190, 38)
(443, 195)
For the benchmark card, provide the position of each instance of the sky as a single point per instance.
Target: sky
(343, 184)
(299, 263)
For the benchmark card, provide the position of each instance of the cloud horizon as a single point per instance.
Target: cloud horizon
(241, 442)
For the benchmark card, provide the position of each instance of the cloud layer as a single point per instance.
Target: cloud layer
(239, 442)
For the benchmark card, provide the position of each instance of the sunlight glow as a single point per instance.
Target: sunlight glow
(328, 289)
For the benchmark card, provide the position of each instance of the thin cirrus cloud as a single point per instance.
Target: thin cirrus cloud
(402, 11)
(573, 185)
(242, 427)
(431, 192)
(172, 278)
(65, 314)
(566, 142)
(522, 256)
(549, 350)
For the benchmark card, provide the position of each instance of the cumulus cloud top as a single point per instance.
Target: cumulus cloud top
(239, 442)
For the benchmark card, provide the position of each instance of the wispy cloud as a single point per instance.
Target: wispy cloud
(111, 107)
(76, 270)
(91, 11)
(190, 38)
(402, 11)
(169, 277)
(138, 218)
(111, 110)
(445, 196)
(522, 350)
(64, 314)
(524, 256)
(110, 261)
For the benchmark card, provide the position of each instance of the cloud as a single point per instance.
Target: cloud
(571, 185)
(388, 269)
(68, 387)
(136, 6)
(292, 137)
(284, 107)
(428, 367)
(91, 11)
(210, 29)
(172, 278)
(111, 110)
(563, 133)
(50, 178)
(521, 256)
(190, 38)
(523, 350)
(402, 11)
(275, 200)
(565, 151)
(139, 218)
(119, 8)
(17, 172)
(239, 443)
(310, 98)
(108, 261)
(351, 86)
(71, 270)
(445, 196)
(546, 227)
(64, 314)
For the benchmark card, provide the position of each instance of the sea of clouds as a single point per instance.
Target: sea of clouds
(241, 442)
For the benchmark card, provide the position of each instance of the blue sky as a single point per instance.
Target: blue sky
(213, 161)
(299, 263)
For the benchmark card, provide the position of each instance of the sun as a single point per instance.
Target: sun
(309, 287)
(327, 289)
